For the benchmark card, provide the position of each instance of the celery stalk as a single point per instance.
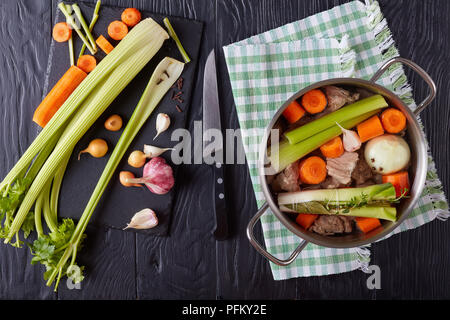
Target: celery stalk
(287, 153)
(71, 53)
(174, 36)
(92, 24)
(356, 109)
(80, 17)
(164, 76)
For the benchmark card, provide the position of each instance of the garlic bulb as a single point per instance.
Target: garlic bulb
(350, 139)
(152, 151)
(162, 123)
(144, 219)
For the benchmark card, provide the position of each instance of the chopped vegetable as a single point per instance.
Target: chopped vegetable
(113, 123)
(137, 159)
(92, 24)
(97, 148)
(314, 101)
(131, 16)
(174, 36)
(387, 154)
(152, 151)
(153, 93)
(84, 25)
(75, 27)
(124, 176)
(367, 224)
(369, 129)
(61, 32)
(104, 44)
(287, 153)
(373, 201)
(162, 124)
(293, 112)
(117, 30)
(400, 181)
(350, 140)
(333, 148)
(157, 176)
(87, 63)
(394, 121)
(58, 95)
(306, 219)
(364, 106)
(312, 170)
(144, 219)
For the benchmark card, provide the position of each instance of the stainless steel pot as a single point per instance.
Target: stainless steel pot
(417, 170)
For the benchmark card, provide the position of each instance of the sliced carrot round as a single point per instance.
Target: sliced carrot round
(87, 63)
(117, 30)
(312, 170)
(62, 32)
(131, 16)
(314, 101)
(333, 148)
(393, 120)
(293, 112)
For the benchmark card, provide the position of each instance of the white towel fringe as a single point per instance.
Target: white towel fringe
(363, 259)
(348, 57)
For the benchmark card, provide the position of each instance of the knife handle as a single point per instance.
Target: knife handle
(221, 231)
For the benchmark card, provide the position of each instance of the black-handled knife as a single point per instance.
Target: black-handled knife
(211, 123)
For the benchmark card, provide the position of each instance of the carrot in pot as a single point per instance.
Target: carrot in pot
(62, 32)
(393, 120)
(87, 63)
(333, 148)
(306, 219)
(104, 44)
(58, 95)
(370, 129)
(293, 112)
(131, 16)
(367, 224)
(312, 170)
(314, 101)
(117, 30)
(400, 181)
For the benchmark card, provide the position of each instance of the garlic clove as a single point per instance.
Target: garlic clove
(162, 123)
(350, 140)
(144, 219)
(152, 151)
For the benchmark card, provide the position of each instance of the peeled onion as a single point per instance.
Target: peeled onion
(387, 154)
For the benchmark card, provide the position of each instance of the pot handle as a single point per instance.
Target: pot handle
(425, 76)
(261, 250)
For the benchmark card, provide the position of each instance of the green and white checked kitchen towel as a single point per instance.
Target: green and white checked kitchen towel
(265, 70)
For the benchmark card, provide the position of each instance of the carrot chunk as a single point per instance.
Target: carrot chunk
(399, 180)
(367, 224)
(131, 16)
(312, 170)
(104, 44)
(87, 63)
(62, 32)
(117, 30)
(393, 120)
(370, 129)
(306, 219)
(293, 112)
(58, 95)
(333, 148)
(314, 101)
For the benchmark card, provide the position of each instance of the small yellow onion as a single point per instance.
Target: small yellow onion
(137, 159)
(124, 176)
(113, 123)
(96, 148)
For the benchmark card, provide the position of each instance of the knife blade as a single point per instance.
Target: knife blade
(211, 120)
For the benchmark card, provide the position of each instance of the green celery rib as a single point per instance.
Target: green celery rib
(356, 109)
(38, 217)
(152, 95)
(289, 153)
(91, 25)
(80, 17)
(174, 36)
(56, 187)
(48, 217)
(71, 53)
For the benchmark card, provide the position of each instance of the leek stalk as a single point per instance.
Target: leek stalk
(356, 109)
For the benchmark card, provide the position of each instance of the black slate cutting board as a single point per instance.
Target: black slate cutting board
(118, 203)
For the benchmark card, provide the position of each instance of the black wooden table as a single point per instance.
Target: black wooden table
(190, 264)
